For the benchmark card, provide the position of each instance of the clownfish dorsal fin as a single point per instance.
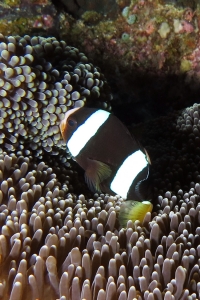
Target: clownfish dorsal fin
(95, 173)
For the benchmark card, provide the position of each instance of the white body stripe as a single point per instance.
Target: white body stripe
(127, 172)
(86, 131)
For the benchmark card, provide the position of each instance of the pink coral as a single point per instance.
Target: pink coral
(186, 27)
(45, 21)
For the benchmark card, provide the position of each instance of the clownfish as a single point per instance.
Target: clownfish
(114, 162)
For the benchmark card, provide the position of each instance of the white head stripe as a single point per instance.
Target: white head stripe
(127, 172)
(86, 131)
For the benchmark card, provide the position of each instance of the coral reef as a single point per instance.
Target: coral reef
(152, 29)
(108, 8)
(25, 16)
(56, 243)
(146, 39)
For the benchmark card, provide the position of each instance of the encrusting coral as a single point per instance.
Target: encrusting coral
(55, 244)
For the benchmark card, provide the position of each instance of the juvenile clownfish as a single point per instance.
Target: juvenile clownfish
(113, 160)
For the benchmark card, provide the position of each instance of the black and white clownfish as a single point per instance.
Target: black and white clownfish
(113, 160)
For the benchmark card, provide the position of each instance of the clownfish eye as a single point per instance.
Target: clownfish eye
(71, 122)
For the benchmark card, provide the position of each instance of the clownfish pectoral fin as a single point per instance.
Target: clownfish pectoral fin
(133, 210)
(95, 173)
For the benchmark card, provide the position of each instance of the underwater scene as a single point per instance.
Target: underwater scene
(99, 149)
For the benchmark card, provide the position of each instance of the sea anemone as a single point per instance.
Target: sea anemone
(40, 79)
